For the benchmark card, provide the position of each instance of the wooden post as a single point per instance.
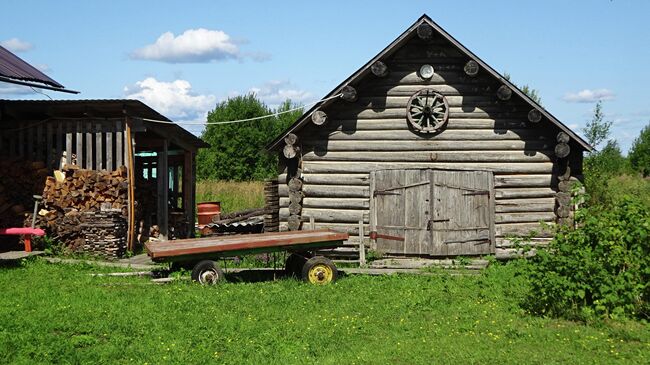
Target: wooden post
(68, 143)
(312, 223)
(188, 191)
(119, 147)
(162, 175)
(99, 151)
(362, 247)
(80, 145)
(130, 149)
(89, 145)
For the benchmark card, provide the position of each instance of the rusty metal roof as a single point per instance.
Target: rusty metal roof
(13, 67)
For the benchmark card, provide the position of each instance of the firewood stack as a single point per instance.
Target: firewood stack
(75, 191)
(104, 233)
(271, 206)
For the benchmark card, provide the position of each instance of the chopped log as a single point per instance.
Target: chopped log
(295, 208)
(564, 186)
(319, 117)
(534, 116)
(379, 69)
(295, 184)
(296, 196)
(563, 198)
(562, 150)
(349, 93)
(504, 92)
(563, 211)
(563, 137)
(293, 222)
(290, 151)
(425, 31)
(290, 139)
(471, 68)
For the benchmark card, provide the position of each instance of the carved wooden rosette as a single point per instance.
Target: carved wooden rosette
(427, 111)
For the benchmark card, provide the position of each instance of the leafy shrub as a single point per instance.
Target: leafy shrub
(601, 268)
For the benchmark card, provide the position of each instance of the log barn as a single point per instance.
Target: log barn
(428, 151)
(79, 154)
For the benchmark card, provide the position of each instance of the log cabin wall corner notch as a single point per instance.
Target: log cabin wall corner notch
(429, 152)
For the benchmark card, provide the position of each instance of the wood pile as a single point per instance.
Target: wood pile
(104, 233)
(271, 206)
(74, 191)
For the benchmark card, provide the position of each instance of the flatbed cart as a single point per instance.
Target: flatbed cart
(201, 253)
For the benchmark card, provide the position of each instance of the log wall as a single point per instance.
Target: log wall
(483, 132)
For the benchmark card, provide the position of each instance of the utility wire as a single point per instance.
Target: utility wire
(242, 120)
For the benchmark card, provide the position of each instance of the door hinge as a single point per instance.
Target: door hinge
(484, 192)
(374, 235)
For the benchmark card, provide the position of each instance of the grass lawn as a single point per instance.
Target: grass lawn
(233, 195)
(59, 314)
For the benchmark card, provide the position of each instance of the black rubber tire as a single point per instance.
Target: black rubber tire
(207, 272)
(325, 273)
(295, 262)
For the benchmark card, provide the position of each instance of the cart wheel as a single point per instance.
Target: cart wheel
(207, 272)
(294, 264)
(319, 270)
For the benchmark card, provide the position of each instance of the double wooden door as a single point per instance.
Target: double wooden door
(433, 212)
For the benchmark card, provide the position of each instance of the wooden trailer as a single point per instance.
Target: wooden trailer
(433, 151)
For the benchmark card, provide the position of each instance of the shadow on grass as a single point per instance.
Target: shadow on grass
(263, 275)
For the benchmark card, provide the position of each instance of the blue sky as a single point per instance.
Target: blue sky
(181, 57)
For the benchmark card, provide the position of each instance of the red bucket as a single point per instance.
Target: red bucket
(208, 210)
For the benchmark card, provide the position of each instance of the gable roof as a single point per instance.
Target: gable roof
(390, 49)
(15, 70)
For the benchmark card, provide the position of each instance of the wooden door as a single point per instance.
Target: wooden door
(401, 211)
(462, 211)
(432, 212)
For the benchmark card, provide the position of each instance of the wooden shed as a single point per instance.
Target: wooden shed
(433, 151)
(107, 136)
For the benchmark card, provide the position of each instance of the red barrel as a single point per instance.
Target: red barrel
(208, 210)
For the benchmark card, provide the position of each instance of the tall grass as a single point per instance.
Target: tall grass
(233, 195)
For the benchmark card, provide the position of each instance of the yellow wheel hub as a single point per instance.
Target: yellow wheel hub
(320, 274)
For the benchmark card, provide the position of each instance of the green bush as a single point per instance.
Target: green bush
(600, 269)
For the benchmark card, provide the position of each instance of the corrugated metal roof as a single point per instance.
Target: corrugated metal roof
(17, 110)
(13, 67)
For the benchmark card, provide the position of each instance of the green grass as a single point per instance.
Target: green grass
(59, 314)
(233, 195)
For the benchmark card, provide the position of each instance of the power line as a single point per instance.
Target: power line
(242, 120)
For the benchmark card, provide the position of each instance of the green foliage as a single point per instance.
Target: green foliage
(597, 130)
(60, 314)
(599, 169)
(640, 152)
(237, 150)
(233, 195)
(532, 93)
(600, 269)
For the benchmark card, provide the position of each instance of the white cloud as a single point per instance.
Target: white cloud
(16, 45)
(589, 96)
(9, 90)
(175, 100)
(194, 45)
(274, 93)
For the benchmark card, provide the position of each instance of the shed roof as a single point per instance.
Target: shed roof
(14, 69)
(17, 110)
(389, 50)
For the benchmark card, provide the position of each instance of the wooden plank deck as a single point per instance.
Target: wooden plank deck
(272, 241)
